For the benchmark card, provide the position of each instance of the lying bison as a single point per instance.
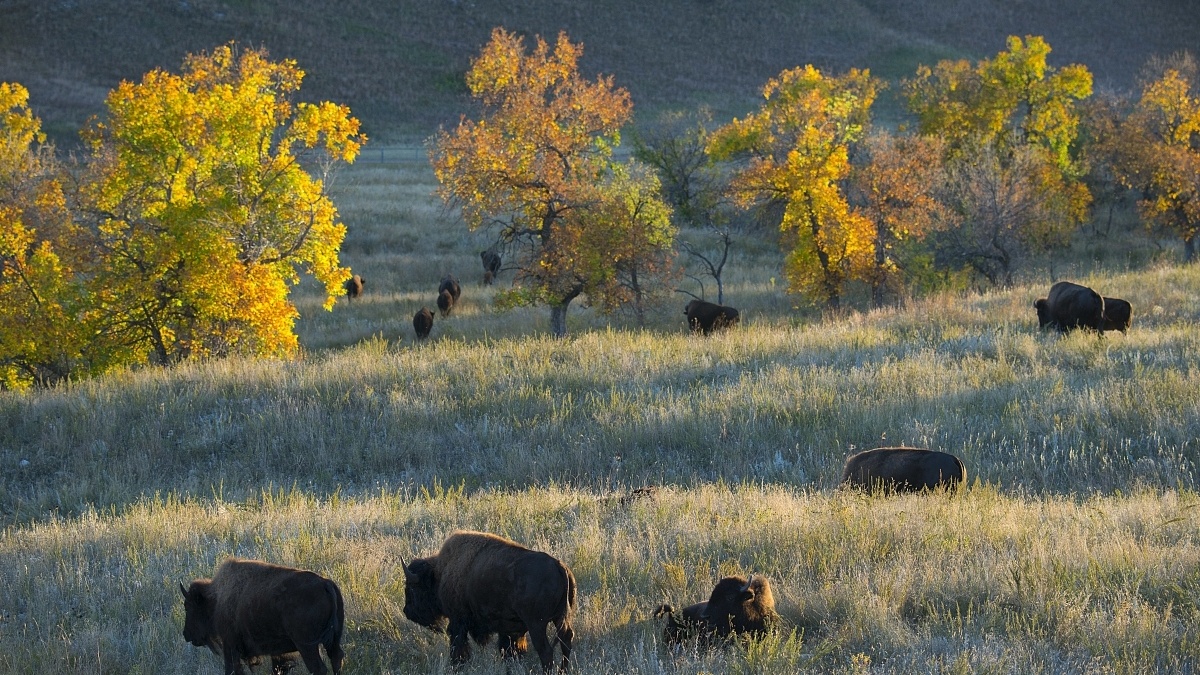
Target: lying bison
(479, 585)
(491, 264)
(1118, 314)
(422, 323)
(705, 317)
(903, 469)
(737, 606)
(354, 286)
(448, 294)
(1069, 306)
(251, 609)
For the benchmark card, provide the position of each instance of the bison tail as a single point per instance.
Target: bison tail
(337, 623)
(663, 609)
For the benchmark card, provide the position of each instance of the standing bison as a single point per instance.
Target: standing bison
(1118, 314)
(354, 286)
(1069, 306)
(705, 317)
(251, 609)
(422, 323)
(903, 469)
(491, 264)
(737, 606)
(479, 585)
(448, 293)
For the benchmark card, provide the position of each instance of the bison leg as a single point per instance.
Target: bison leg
(281, 665)
(513, 646)
(336, 653)
(565, 635)
(460, 644)
(233, 662)
(543, 646)
(312, 659)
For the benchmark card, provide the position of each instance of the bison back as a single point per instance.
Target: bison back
(263, 609)
(498, 586)
(905, 469)
(1070, 306)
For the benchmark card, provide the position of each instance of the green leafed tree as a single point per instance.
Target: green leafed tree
(205, 198)
(538, 164)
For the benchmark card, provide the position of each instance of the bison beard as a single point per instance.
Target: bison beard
(251, 609)
(903, 469)
(479, 585)
(737, 606)
(1069, 306)
(705, 317)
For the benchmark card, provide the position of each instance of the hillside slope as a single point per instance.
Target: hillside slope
(399, 63)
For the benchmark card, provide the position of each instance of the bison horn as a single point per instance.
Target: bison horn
(748, 582)
(182, 589)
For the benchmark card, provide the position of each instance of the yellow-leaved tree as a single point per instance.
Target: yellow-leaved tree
(205, 196)
(538, 164)
(44, 324)
(796, 151)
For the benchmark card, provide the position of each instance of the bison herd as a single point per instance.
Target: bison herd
(481, 586)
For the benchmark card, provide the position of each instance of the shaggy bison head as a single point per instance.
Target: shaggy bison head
(197, 619)
(421, 604)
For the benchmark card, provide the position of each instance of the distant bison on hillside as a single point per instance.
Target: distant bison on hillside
(251, 609)
(448, 294)
(1118, 314)
(1069, 306)
(737, 606)
(354, 286)
(422, 323)
(491, 264)
(479, 585)
(705, 317)
(903, 469)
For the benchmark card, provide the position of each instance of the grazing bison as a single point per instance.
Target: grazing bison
(903, 469)
(448, 293)
(422, 323)
(1069, 306)
(354, 286)
(1118, 314)
(491, 264)
(737, 606)
(251, 609)
(479, 585)
(706, 317)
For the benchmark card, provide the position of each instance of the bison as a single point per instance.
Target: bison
(422, 323)
(1069, 306)
(251, 609)
(479, 585)
(354, 286)
(1118, 315)
(491, 264)
(903, 469)
(448, 293)
(705, 317)
(737, 606)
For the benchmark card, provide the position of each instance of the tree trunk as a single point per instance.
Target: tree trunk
(1189, 248)
(558, 319)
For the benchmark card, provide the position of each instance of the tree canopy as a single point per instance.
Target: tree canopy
(538, 164)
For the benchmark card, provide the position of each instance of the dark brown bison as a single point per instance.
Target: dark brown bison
(448, 294)
(737, 606)
(1118, 314)
(479, 585)
(705, 317)
(903, 469)
(1069, 306)
(491, 264)
(354, 286)
(251, 609)
(422, 323)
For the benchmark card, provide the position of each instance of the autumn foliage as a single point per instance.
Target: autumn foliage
(196, 210)
(538, 164)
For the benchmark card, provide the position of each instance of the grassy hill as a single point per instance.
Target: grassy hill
(399, 64)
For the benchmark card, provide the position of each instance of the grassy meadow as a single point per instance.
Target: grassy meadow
(1075, 547)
